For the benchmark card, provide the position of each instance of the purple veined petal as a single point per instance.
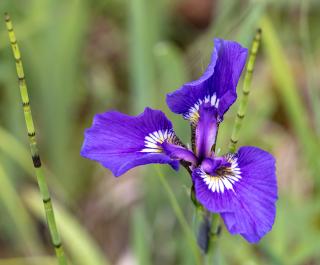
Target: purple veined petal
(120, 142)
(216, 86)
(206, 131)
(244, 193)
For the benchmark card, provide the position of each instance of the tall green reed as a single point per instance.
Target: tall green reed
(44, 190)
(243, 101)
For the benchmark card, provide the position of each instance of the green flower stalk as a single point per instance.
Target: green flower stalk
(55, 237)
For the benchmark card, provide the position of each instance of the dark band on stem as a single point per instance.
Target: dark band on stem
(36, 161)
(46, 200)
(233, 141)
(58, 245)
(31, 134)
(240, 116)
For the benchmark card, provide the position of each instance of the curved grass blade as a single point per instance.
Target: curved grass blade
(140, 240)
(24, 230)
(15, 150)
(81, 246)
(20, 155)
(297, 112)
(55, 237)
(245, 93)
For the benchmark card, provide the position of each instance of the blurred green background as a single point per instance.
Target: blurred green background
(82, 57)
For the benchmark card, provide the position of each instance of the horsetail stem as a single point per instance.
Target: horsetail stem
(55, 237)
(245, 92)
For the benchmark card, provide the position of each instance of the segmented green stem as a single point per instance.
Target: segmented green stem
(55, 237)
(245, 92)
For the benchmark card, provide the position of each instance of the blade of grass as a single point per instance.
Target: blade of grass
(140, 234)
(171, 74)
(54, 58)
(310, 66)
(14, 149)
(19, 154)
(141, 67)
(25, 230)
(83, 249)
(287, 88)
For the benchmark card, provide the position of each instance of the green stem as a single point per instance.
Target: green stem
(55, 237)
(212, 256)
(245, 93)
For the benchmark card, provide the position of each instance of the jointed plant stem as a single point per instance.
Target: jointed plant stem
(55, 237)
(245, 92)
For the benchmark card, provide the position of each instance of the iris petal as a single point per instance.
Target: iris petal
(206, 131)
(216, 86)
(245, 194)
(179, 152)
(120, 142)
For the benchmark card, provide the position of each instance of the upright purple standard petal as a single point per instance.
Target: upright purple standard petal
(206, 131)
(243, 191)
(216, 86)
(120, 142)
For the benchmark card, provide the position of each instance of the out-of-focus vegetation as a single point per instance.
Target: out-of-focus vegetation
(82, 57)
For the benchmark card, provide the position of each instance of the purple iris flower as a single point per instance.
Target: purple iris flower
(241, 187)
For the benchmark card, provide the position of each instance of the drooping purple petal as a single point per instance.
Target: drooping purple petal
(179, 152)
(216, 86)
(244, 193)
(120, 142)
(206, 131)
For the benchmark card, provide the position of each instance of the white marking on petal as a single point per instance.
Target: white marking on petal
(222, 183)
(153, 141)
(193, 113)
(213, 100)
(149, 139)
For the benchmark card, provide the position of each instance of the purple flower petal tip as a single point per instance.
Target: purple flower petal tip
(217, 85)
(120, 142)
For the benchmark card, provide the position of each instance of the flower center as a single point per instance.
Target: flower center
(224, 177)
(153, 141)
